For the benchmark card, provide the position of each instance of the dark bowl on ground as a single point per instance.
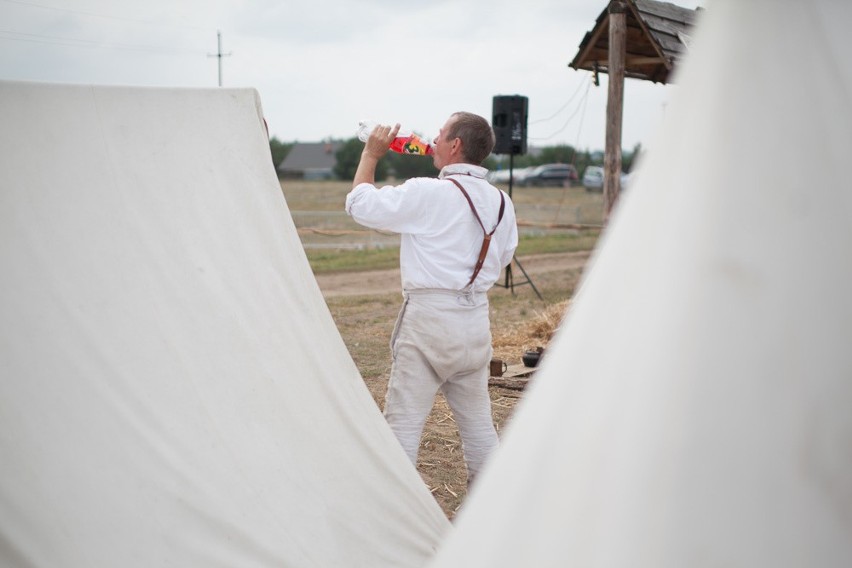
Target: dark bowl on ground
(531, 358)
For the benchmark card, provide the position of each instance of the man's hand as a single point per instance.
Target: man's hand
(377, 146)
(380, 140)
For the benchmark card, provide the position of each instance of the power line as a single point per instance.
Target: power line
(76, 42)
(580, 106)
(94, 15)
(563, 107)
(582, 119)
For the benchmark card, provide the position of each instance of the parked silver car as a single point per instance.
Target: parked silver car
(551, 175)
(593, 178)
(502, 176)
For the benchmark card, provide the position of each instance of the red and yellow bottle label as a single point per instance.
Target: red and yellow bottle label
(411, 145)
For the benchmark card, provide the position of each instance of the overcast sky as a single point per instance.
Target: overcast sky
(322, 65)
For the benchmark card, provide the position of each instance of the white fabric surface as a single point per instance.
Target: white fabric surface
(440, 238)
(695, 408)
(173, 390)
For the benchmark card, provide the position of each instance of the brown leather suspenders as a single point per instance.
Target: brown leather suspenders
(486, 241)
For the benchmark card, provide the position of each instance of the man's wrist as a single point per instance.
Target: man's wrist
(366, 155)
(366, 170)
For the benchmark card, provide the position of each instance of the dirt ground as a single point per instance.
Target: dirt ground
(365, 305)
(388, 281)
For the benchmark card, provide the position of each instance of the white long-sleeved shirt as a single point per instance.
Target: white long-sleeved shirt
(440, 238)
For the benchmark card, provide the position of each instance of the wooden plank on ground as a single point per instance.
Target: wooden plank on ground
(516, 377)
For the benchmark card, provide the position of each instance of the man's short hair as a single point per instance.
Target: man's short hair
(476, 135)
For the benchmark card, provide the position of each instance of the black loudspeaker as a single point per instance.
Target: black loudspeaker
(509, 122)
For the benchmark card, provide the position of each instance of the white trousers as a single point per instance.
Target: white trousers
(442, 341)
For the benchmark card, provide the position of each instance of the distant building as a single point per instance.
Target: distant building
(310, 160)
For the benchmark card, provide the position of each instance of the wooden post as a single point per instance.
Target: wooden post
(615, 104)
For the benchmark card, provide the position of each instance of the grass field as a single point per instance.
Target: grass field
(324, 260)
(547, 219)
(544, 204)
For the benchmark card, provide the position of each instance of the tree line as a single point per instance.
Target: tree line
(402, 167)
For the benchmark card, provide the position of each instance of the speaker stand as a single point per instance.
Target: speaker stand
(510, 281)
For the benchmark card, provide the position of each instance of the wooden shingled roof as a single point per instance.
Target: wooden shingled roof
(657, 34)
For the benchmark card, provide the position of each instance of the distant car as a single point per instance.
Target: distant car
(551, 175)
(499, 176)
(520, 174)
(593, 178)
(502, 176)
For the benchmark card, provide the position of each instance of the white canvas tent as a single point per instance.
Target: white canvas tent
(173, 390)
(695, 409)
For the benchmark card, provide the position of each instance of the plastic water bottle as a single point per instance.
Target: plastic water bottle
(405, 142)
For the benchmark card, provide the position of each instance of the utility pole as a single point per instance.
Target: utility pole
(219, 54)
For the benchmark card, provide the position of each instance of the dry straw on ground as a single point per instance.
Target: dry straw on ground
(509, 344)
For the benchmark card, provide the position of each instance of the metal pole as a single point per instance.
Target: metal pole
(219, 53)
(509, 278)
